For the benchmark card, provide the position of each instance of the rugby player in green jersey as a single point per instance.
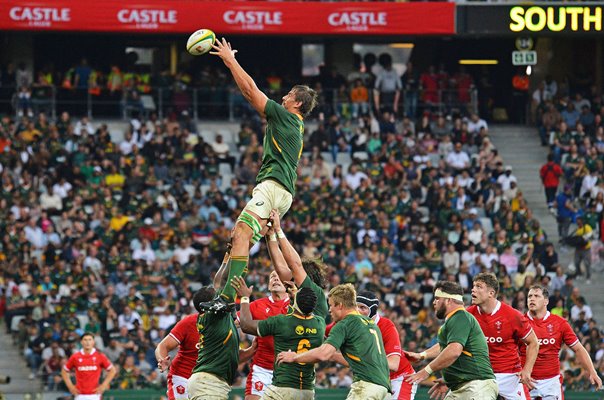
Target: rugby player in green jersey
(299, 330)
(218, 352)
(276, 180)
(360, 341)
(462, 354)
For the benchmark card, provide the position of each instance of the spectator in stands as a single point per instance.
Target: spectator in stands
(387, 90)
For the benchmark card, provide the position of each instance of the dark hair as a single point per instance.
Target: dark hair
(449, 287)
(307, 96)
(488, 279)
(87, 334)
(543, 290)
(315, 269)
(306, 299)
(206, 293)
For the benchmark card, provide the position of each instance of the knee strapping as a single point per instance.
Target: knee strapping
(252, 222)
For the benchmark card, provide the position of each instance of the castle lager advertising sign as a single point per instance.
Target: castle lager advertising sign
(545, 18)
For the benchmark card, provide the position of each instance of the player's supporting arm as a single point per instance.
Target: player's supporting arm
(532, 351)
(222, 273)
(274, 252)
(246, 84)
(110, 374)
(162, 351)
(443, 360)
(323, 353)
(246, 321)
(585, 362)
(291, 256)
(66, 375)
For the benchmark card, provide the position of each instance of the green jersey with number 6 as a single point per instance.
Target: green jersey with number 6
(360, 341)
(218, 347)
(299, 334)
(283, 143)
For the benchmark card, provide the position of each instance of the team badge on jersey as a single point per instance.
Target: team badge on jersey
(498, 325)
(550, 329)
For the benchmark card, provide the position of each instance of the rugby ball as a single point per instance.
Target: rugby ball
(200, 42)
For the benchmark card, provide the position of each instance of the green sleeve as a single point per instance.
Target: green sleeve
(268, 326)
(337, 335)
(458, 328)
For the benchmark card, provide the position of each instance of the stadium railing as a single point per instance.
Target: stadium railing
(215, 103)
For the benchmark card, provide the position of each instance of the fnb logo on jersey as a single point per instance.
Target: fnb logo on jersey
(546, 341)
(253, 20)
(40, 16)
(358, 20)
(493, 339)
(147, 18)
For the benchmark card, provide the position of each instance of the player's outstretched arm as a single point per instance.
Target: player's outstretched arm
(292, 258)
(585, 361)
(323, 353)
(246, 84)
(429, 354)
(246, 321)
(444, 359)
(162, 352)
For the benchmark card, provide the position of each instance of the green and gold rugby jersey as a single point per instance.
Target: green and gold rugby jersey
(360, 341)
(283, 143)
(299, 334)
(218, 347)
(473, 364)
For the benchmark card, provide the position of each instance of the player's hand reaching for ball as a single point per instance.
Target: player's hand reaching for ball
(286, 357)
(223, 50)
(241, 287)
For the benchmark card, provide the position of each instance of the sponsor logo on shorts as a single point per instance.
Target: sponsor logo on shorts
(260, 203)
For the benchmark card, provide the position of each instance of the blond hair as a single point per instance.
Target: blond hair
(345, 295)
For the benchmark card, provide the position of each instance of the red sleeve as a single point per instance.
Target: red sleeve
(392, 341)
(568, 336)
(69, 364)
(179, 332)
(328, 328)
(105, 363)
(523, 327)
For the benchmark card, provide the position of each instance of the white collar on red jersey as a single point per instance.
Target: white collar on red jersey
(92, 352)
(497, 307)
(270, 298)
(377, 318)
(547, 314)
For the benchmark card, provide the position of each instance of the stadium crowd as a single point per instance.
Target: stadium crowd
(113, 238)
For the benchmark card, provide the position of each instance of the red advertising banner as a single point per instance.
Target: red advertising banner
(230, 17)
